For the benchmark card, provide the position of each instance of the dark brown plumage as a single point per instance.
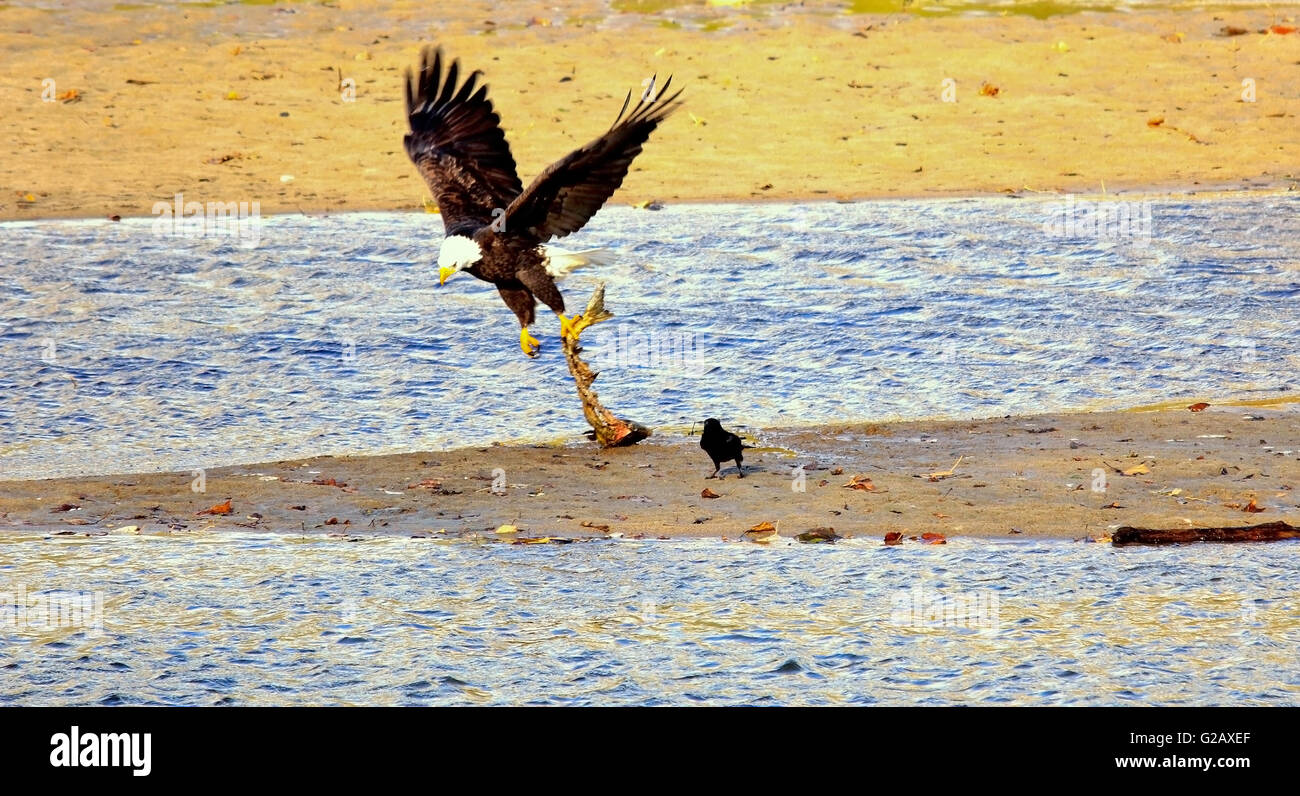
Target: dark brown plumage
(457, 145)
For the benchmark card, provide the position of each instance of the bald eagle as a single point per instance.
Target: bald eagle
(495, 228)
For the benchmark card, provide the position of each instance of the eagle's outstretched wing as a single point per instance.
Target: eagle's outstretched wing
(457, 144)
(565, 196)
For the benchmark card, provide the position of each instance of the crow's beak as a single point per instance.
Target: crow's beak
(443, 274)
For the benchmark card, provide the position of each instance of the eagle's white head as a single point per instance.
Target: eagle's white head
(457, 253)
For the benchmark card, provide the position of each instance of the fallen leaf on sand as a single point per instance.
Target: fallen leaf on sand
(762, 527)
(328, 482)
(1199, 407)
(838, 471)
(989, 90)
(942, 516)
(860, 482)
(507, 529)
(589, 524)
(1112, 505)
(64, 507)
(934, 538)
(428, 483)
(893, 538)
(1232, 30)
(1282, 30)
(1140, 469)
(71, 95)
(1251, 508)
(220, 508)
(1174, 38)
(709, 493)
(1155, 121)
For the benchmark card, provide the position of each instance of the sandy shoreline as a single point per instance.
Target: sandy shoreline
(1018, 477)
(242, 103)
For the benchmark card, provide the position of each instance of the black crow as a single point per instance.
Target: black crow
(722, 446)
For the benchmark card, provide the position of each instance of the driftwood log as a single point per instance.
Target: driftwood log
(1267, 532)
(610, 431)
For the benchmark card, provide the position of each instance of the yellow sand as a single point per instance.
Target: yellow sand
(243, 103)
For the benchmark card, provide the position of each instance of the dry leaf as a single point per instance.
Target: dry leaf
(893, 538)
(1282, 30)
(860, 482)
(220, 508)
(71, 95)
(762, 527)
(1155, 121)
(507, 529)
(1251, 508)
(989, 90)
(934, 538)
(1199, 407)
(594, 526)
(1140, 469)
(709, 493)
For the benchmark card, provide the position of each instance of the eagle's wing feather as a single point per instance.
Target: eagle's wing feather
(565, 196)
(457, 143)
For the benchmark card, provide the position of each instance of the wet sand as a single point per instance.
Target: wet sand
(243, 102)
(1018, 478)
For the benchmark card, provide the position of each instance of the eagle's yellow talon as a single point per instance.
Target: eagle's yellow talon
(567, 325)
(528, 343)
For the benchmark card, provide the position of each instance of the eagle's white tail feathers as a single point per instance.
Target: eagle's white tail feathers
(560, 262)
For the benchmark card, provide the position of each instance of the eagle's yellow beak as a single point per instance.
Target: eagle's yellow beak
(443, 274)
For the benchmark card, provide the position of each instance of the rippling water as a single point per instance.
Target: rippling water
(126, 351)
(279, 620)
